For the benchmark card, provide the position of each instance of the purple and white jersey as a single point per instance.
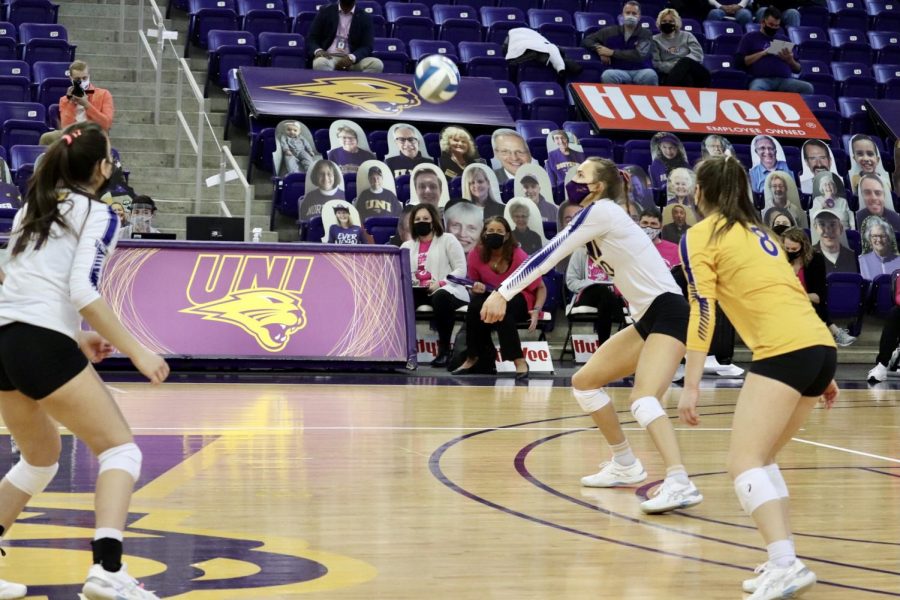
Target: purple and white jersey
(618, 245)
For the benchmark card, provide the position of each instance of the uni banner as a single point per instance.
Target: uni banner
(285, 301)
(726, 112)
(302, 93)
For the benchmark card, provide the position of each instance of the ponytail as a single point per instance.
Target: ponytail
(616, 182)
(725, 187)
(68, 163)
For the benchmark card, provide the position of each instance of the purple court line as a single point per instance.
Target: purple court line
(641, 492)
(437, 472)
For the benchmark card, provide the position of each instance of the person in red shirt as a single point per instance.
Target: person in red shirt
(83, 102)
(651, 223)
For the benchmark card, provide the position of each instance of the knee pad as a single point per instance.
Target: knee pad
(777, 480)
(754, 488)
(30, 479)
(646, 410)
(591, 400)
(126, 457)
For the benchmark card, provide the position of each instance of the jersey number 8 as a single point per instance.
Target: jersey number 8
(770, 247)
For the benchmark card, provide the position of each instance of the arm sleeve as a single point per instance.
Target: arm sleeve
(366, 39)
(457, 257)
(471, 261)
(695, 49)
(593, 40)
(698, 261)
(815, 277)
(592, 222)
(96, 242)
(314, 35)
(642, 48)
(656, 56)
(102, 112)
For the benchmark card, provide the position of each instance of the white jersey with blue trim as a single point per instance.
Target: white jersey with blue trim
(616, 242)
(47, 286)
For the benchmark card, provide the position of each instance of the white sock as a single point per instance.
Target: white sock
(781, 553)
(622, 454)
(108, 532)
(678, 474)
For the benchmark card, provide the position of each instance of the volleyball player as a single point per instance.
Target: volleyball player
(731, 258)
(651, 349)
(59, 245)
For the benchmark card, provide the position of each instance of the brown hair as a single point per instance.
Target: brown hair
(436, 226)
(724, 185)
(795, 234)
(508, 247)
(607, 172)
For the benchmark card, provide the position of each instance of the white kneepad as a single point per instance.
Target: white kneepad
(646, 410)
(126, 457)
(754, 488)
(591, 401)
(30, 479)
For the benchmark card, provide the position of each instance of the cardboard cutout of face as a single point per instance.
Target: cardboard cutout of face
(349, 145)
(640, 189)
(679, 214)
(376, 191)
(510, 152)
(479, 184)
(532, 182)
(324, 182)
(865, 158)
(715, 145)
(427, 184)
(465, 220)
(780, 191)
(523, 216)
(344, 216)
(828, 231)
(667, 153)
(405, 139)
(681, 186)
(295, 149)
(817, 158)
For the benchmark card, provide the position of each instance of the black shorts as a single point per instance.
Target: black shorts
(37, 361)
(809, 371)
(668, 315)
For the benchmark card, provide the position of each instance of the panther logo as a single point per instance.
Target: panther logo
(377, 96)
(270, 315)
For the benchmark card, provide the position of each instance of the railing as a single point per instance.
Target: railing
(229, 170)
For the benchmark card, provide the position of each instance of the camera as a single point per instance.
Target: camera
(77, 90)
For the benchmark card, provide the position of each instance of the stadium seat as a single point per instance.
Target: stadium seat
(295, 7)
(637, 152)
(22, 159)
(535, 128)
(544, 101)
(381, 228)
(50, 81)
(419, 49)
(855, 79)
(15, 67)
(302, 23)
(510, 95)
(884, 15)
(281, 50)
(818, 73)
(729, 79)
(15, 88)
(370, 7)
(602, 147)
(570, 6)
(850, 45)
(846, 298)
(580, 129)
(888, 77)
(588, 22)
(228, 50)
(205, 16)
(848, 13)
(812, 42)
(245, 6)
(483, 59)
(413, 28)
(32, 11)
(260, 20)
(22, 123)
(714, 29)
(47, 42)
(395, 10)
(460, 30)
(445, 12)
(717, 62)
(542, 16)
(886, 45)
(497, 22)
(855, 112)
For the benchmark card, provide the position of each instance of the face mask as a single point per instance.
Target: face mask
(667, 27)
(770, 31)
(780, 229)
(577, 191)
(113, 182)
(792, 256)
(85, 82)
(140, 223)
(494, 241)
(651, 232)
(421, 228)
(630, 21)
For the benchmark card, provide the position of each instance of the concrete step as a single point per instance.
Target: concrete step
(184, 192)
(180, 206)
(127, 72)
(153, 160)
(80, 22)
(68, 10)
(177, 222)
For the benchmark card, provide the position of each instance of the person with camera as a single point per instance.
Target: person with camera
(83, 102)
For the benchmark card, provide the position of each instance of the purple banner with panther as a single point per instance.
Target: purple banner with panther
(285, 301)
(302, 93)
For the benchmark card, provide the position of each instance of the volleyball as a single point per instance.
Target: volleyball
(436, 78)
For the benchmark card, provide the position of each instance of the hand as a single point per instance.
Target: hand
(533, 322)
(786, 55)
(151, 366)
(478, 287)
(831, 394)
(94, 346)
(605, 60)
(343, 63)
(433, 286)
(687, 406)
(494, 308)
(731, 9)
(604, 51)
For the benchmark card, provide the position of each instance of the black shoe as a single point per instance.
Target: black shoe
(441, 360)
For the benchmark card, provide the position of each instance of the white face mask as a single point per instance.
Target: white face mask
(85, 82)
(630, 20)
(140, 223)
(651, 232)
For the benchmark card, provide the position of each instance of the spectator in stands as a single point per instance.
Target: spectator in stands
(779, 217)
(119, 209)
(677, 55)
(873, 196)
(496, 257)
(563, 157)
(141, 221)
(716, 145)
(458, 151)
(511, 151)
(810, 268)
(591, 285)
(681, 186)
(433, 256)
(651, 223)
(297, 153)
(825, 195)
(525, 45)
(830, 232)
(770, 72)
(668, 153)
(732, 12)
(529, 185)
(529, 240)
(790, 16)
(640, 188)
(323, 183)
(879, 255)
(866, 160)
(376, 200)
(768, 158)
(403, 233)
(408, 154)
(625, 49)
(887, 348)
(816, 159)
(429, 187)
(674, 230)
(479, 186)
(340, 38)
(464, 221)
(344, 231)
(349, 155)
(567, 212)
(83, 102)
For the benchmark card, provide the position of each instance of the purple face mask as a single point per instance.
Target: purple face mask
(577, 191)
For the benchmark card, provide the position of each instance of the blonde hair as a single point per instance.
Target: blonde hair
(458, 132)
(607, 172)
(669, 12)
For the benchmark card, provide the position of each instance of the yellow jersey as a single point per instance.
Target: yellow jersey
(748, 273)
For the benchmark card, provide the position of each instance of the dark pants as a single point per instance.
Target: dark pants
(890, 336)
(609, 308)
(478, 333)
(444, 304)
(686, 73)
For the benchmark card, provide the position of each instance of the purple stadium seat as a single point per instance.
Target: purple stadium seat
(850, 45)
(445, 12)
(44, 41)
(717, 62)
(587, 23)
(534, 128)
(206, 19)
(394, 62)
(580, 129)
(9, 30)
(888, 77)
(22, 123)
(412, 28)
(395, 10)
(295, 7)
(281, 50)
(854, 110)
(815, 16)
(16, 88)
(483, 59)
(287, 194)
(383, 44)
(848, 13)
(714, 29)
(729, 79)
(228, 50)
(16, 67)
(32, 11)
(542, 16)
(381, 228)
(259, 21)
(245, 6)
(886, 45)
(818, 73)
(510, 95)
(855, 79)
(419, 49)
(370, 7)
(601, 147)
(812, 42)
(846, 298)
(460, 30)
(884, 15)
(544, 101)
(819, 102)
(50, 81)
(570, 6)
(637, 152)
